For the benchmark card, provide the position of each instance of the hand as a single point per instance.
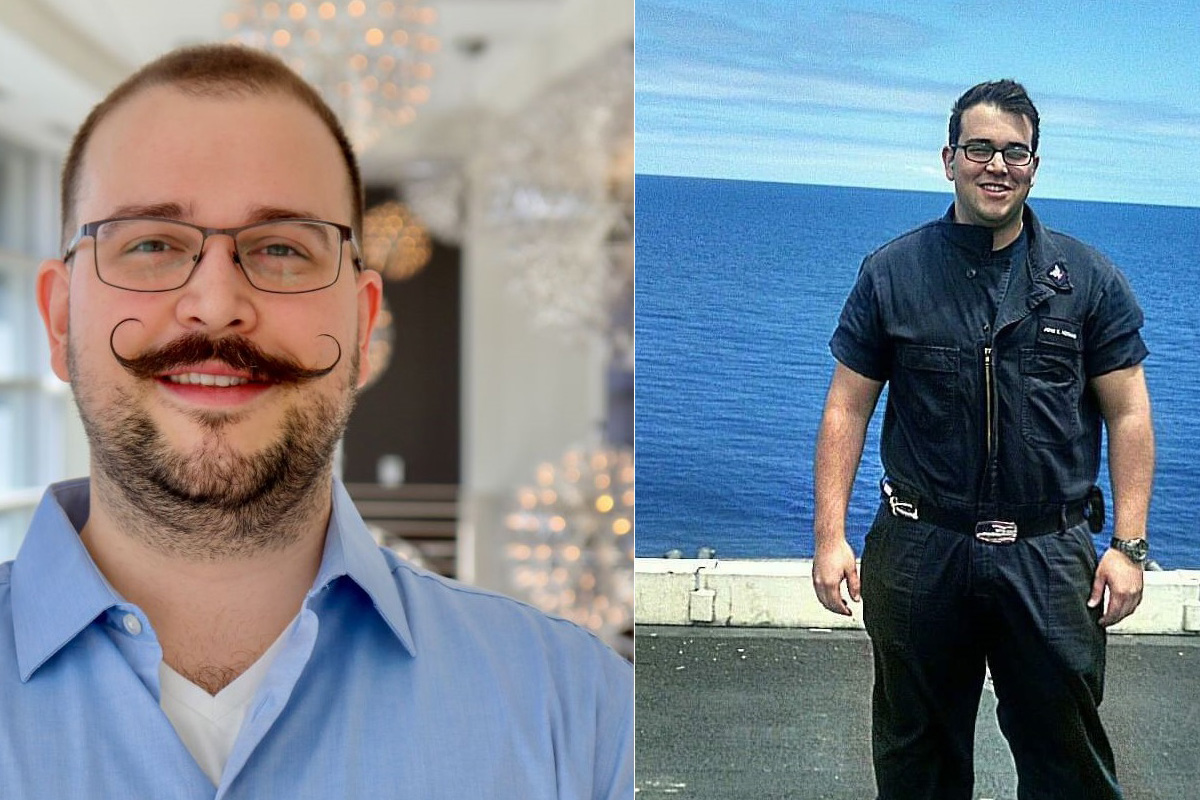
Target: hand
(832, 566)
(1123, 578)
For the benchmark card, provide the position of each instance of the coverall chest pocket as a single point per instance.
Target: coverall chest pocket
(1051, 388)
(927, 385)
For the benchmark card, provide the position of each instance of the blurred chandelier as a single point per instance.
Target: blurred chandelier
(394, 241)
(369, 60)
(570, 546)
(557, 194)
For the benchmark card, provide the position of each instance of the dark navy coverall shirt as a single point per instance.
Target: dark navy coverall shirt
(1021, 435)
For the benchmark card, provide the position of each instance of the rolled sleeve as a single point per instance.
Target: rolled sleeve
(858, 341)
(1113, 339)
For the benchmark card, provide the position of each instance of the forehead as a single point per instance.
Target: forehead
(992, 124)
(217, 155)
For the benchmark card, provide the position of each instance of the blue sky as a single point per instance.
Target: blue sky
(859, 93)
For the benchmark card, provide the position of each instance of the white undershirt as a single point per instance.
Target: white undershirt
(208, 724)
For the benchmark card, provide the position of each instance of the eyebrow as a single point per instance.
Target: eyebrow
(177, 211)
(163, 210)
(269, 213)
(990, 143)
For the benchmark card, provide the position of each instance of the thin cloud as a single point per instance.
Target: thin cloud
(866, 36)
(878, 92)
(762, 81)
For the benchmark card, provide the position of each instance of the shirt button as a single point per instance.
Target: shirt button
(971, 273)
(986, 327)
(132, 624)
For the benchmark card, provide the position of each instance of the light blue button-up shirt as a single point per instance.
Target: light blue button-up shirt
(392, 683)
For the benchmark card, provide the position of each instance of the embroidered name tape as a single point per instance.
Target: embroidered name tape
(1059, 333)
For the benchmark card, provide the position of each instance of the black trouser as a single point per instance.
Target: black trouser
(938, 605)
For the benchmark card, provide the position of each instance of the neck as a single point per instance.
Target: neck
(1003, 237)
(215, 608)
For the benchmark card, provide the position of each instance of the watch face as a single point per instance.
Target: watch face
(1137, 549)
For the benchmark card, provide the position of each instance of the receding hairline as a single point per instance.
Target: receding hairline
(208, 71)
(209, 93)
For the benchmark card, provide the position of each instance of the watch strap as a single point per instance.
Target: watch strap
(1135, 550)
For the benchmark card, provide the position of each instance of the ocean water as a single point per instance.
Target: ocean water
(739, 286)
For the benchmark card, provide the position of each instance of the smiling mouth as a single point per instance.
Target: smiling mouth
(214, 376)
(221, 389)
(205, 379)
(995, 187)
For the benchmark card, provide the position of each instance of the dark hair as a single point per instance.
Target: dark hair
(1005, 95)
(210, 70)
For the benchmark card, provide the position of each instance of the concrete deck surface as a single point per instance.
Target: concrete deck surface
(783, 713)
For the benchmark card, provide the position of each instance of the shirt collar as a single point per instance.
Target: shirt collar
(975, 239)
(351, 551)
(1046, 263)
(57, 590)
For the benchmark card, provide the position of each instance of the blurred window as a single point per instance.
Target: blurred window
(37, 417)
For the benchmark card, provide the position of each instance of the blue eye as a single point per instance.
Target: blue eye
(279, 250)
(150, 246)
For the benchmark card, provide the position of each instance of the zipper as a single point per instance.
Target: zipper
(987, 388)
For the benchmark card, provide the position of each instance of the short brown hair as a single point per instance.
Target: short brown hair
(210, 70)
(1006, 95)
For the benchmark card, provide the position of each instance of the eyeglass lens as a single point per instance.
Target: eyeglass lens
(159, 255)
(981, 152)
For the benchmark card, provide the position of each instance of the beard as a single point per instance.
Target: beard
(212, 502)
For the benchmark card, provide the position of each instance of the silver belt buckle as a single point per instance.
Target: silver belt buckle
(996, 531)
(900, 508)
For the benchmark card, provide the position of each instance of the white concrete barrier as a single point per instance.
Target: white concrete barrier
(779, 593)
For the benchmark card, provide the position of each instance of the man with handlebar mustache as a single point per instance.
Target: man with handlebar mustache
(207, 615)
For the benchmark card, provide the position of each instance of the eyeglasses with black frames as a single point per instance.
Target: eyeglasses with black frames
(1014, 155)
(151, 254)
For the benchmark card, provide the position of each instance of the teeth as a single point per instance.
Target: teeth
(202, 379)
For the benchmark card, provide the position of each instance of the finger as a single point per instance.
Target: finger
(1117, 609)
(834, 602)
(830, 596)
(854, 585)
(1097, 590)
(1120, 606)
(1114, 613)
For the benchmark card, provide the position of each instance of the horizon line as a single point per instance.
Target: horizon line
(949, 192)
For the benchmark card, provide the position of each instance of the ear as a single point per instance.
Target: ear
(1033, 169)
(370, 294)
(948, 162)
(53, 295)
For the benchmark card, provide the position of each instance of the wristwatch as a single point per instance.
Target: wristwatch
(1135, 550)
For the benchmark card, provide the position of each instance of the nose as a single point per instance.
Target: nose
(997, 163)
(217, 297)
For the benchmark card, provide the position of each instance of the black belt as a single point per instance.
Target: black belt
(995, 531)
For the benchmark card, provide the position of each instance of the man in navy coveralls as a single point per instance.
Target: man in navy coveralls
(1005, 345)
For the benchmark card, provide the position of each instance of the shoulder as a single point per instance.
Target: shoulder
(903, 256)
(906, 244)
(1078, 253)
(894, 268)
(1083, 262)
(1092, 273)
(525, 676)
(452, 614)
